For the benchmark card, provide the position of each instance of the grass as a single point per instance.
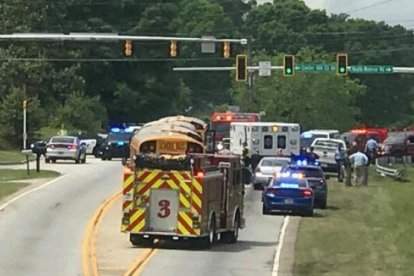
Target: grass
(12, 156)
(364, 231)
(8, 188)
(8, 178)
(12, 175)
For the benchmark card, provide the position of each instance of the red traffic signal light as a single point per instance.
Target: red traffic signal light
(241, 67)
(342, 64)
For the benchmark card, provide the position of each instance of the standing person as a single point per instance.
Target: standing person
(340, 160)
(311, 156)
(360, 162)
(348, 169)
(371, 149)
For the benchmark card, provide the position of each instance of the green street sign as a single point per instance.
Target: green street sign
(316, 68)
(372, 69)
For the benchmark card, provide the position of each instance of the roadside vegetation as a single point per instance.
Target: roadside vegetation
(364, 231)
(11, 157)
(88, 95)
(13, 180)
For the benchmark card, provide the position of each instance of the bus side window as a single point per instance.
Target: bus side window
(281, 142)
(268, 142)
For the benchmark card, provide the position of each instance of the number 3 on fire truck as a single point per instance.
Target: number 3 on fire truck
(164, 210)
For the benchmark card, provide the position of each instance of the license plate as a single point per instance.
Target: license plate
(60, 152)
(288, 200)
(324, 165)
(174, 147)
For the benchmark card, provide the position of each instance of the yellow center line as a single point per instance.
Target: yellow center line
(89, 261)
(141, 262)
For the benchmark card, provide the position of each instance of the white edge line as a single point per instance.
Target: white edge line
(2, 207)
(279, 247)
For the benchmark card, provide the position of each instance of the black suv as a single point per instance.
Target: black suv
(116, 145)
(316, 179)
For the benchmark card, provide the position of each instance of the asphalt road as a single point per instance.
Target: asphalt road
(41, 234)
(253, 254)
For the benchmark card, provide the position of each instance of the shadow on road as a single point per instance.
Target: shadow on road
(196, 245)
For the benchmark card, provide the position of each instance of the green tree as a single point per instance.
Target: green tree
(81, 112)
(11, 115)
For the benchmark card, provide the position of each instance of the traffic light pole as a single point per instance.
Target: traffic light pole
(88, 37)
(397, 70)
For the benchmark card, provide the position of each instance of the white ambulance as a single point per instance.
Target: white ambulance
(265, 138)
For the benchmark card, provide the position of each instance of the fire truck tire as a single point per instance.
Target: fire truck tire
(148, 242)
(136, 239)
(231, 236)
(208, 241)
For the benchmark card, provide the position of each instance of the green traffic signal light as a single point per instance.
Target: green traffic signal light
(288, 65)
(341, 64)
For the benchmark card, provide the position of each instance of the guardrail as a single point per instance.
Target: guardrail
(383, 168)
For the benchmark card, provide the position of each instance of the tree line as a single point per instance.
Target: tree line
(87, 85)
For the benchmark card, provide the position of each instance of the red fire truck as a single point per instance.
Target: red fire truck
(220, 122)
(361, 135)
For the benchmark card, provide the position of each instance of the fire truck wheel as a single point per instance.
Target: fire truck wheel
(234, 235)
(136, 239)
(149, 242)
(231, 236)
(208, 241)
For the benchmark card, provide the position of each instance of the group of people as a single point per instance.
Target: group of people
(357, 161)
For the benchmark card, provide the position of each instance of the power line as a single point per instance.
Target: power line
(370, 6)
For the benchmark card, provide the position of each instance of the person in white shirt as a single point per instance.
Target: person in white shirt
(360, 163)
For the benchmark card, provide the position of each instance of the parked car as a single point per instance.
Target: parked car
(266, 170)
(307, 137)
(316, 179)
(326, 148)
(116, 145)
(399, 145)
(65, 148)
(290, 192)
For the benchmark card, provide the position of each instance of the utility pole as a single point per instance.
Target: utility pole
(25, 134)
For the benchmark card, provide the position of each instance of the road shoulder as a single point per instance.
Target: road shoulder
(287, 255)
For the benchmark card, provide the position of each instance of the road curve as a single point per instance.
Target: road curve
(41, 234)
(253, 255)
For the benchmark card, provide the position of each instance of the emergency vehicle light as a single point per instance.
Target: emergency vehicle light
(120, 143)
(275, 128)
(301, 162)
(359, 131)
(115, 129)
(307, 135)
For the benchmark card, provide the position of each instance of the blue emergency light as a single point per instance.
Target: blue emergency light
(115, 130)
(120, 143)
(307, 135)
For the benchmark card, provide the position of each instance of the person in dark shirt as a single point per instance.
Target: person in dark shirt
(311, 156)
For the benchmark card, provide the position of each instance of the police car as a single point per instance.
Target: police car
(116, 144)
(288, 191)
(315, 176)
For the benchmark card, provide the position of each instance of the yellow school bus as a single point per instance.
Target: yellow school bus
(200, 126)
(166, 140)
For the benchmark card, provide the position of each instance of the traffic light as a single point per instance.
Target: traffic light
(288, 65)
(241, 67)
(226, 49)
(342, 64)
(173, 48)
(128, 48)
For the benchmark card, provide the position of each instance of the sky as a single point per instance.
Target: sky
(392, 12)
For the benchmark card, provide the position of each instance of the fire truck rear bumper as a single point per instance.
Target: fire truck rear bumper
(164, 236)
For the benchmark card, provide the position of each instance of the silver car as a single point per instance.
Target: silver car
(266, 169)
(65, 148)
